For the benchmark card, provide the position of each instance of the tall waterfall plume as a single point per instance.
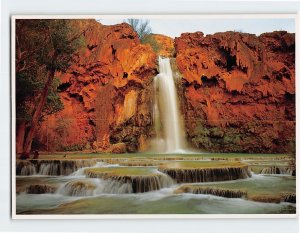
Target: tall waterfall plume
(169, 128)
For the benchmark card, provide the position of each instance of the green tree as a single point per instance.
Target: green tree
(43, 47)
(141, 27)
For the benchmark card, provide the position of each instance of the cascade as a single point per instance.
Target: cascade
(130, 179)
(194, 172)
(170, 134)
(25, 168)
(77, 188)
(52, 167)
(278, 170)
(114, 187)
(195, 189)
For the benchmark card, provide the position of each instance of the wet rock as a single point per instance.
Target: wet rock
(266, 198)
(289, 197)
(40, 189)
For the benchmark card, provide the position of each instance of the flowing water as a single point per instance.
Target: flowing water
(169, 128)
(167, 182)
(77, 193)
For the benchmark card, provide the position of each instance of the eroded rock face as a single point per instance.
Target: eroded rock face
(238, 90)
(106, 92)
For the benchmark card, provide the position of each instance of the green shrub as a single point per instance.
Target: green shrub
(216, 132)
(149, 39)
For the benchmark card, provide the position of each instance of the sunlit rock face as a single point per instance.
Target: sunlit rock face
(106, 92)
(165, 45)
(238, 90)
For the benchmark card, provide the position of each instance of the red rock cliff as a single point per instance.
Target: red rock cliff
(106, 93)
(238, 90)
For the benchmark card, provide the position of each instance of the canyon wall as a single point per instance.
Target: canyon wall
(238, 91)
(106, 93)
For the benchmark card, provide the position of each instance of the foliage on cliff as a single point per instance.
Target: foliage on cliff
(144, 31)
(106, 93)
(43, 47)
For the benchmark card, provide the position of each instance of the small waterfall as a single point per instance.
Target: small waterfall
(289, 197)
(77, 188)
(278, 170)
(212, 191)
(111, 186)
(52, 167)
(207, 174)
(115, 183)
(28, 170)
(170, 135)
(49, 169)
(25, 168)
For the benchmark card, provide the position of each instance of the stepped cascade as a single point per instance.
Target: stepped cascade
(152, 178)
(138, 179)
(169, 129)
(52, 167)
(194, 172)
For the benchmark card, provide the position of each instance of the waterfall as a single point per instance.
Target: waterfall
(197, 175)
(170, 135)
(221, 192)
(52, 167)
(77, 188)
(278, 170)
(28, 170)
